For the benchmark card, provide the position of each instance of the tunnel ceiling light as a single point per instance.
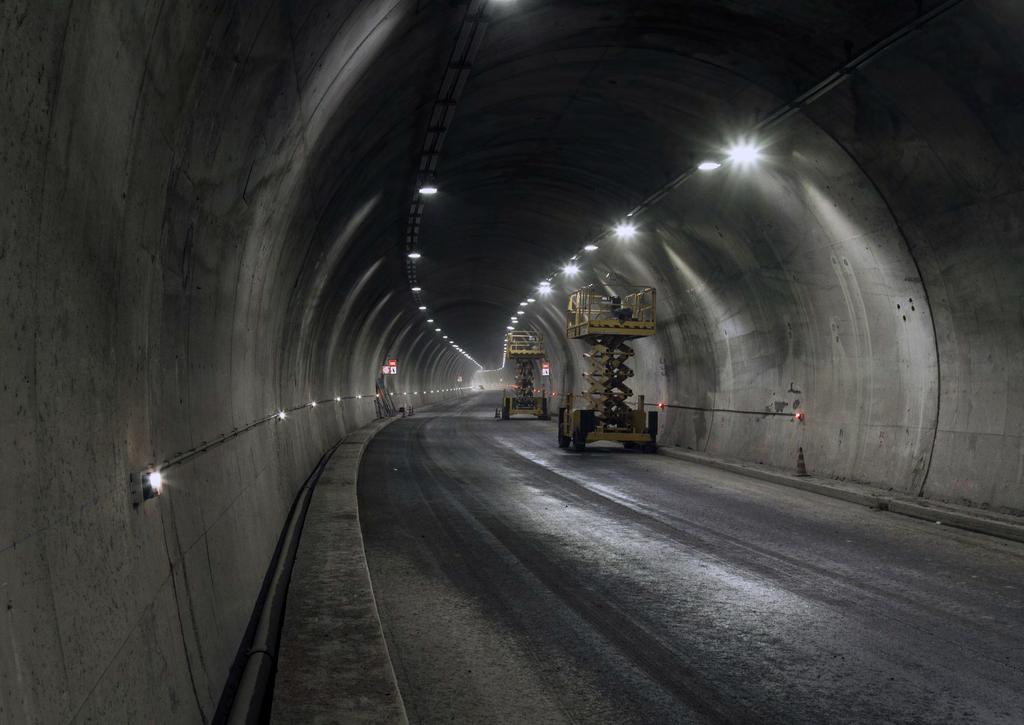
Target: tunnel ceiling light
(417, 289)
(744, 154)
(523, 304)
(423, 307)
(625, 231)
(708, 165)
(510, 327)
(312, 404)
(337, 399)
(428, 189)
(437, 329)
(431, 321)
(281, 415)
(545, 284)
(530, 300)
(590, 248)
(571, 270)
(414, 255)
(444, 337)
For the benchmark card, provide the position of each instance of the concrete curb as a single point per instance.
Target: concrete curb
(244, 700)
(960, 517)
(333, 662)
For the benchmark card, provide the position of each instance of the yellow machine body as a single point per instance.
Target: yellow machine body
(607, 322)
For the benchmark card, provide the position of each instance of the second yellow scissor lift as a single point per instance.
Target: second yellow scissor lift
(524, 350)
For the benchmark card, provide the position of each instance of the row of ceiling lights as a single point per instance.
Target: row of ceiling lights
(455, 346)
(431, 189)
(742, 154)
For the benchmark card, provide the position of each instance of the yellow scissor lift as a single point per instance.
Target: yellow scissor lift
(524, 349)
(607, 320)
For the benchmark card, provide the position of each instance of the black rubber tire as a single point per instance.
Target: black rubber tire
(506, 409)
(579, 441)
(650, 448)
(563, 440)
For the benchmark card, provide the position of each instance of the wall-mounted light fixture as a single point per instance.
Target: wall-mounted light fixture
(145, 485)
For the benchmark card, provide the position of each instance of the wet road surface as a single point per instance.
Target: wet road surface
(521, 583)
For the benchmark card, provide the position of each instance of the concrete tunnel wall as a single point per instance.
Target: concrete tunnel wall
(176, 263)
(868, 271)
(199, 229)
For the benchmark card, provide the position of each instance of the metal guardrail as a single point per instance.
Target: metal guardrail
(525, 344)
(592, 310)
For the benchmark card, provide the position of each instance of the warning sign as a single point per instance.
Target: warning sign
(545, 368)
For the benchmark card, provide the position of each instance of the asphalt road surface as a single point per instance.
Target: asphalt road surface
(521, 583)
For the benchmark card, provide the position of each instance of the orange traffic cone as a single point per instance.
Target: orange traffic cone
(801, 467)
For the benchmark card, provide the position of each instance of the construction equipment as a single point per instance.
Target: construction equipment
(524, 350)
(607, 319)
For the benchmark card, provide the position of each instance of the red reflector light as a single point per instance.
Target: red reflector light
(661, 406)
(799, 416)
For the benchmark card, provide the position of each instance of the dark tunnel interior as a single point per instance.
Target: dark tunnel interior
(209, 208)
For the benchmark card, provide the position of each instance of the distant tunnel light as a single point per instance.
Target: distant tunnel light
(428, 189)
(510, 327)
(625, 231)
(155, 479)
(414, 255)
(417, 289)
(571, 270)
(281, 415)
(312, 404)
(431, 321)
(523, 304)
(423, 307)
(437, 329)
(744, 154)
(590, 248)
(708, 165)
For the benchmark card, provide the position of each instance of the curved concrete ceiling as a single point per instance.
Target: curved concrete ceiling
(205, 217)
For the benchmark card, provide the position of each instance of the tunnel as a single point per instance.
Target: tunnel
(246, 244)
